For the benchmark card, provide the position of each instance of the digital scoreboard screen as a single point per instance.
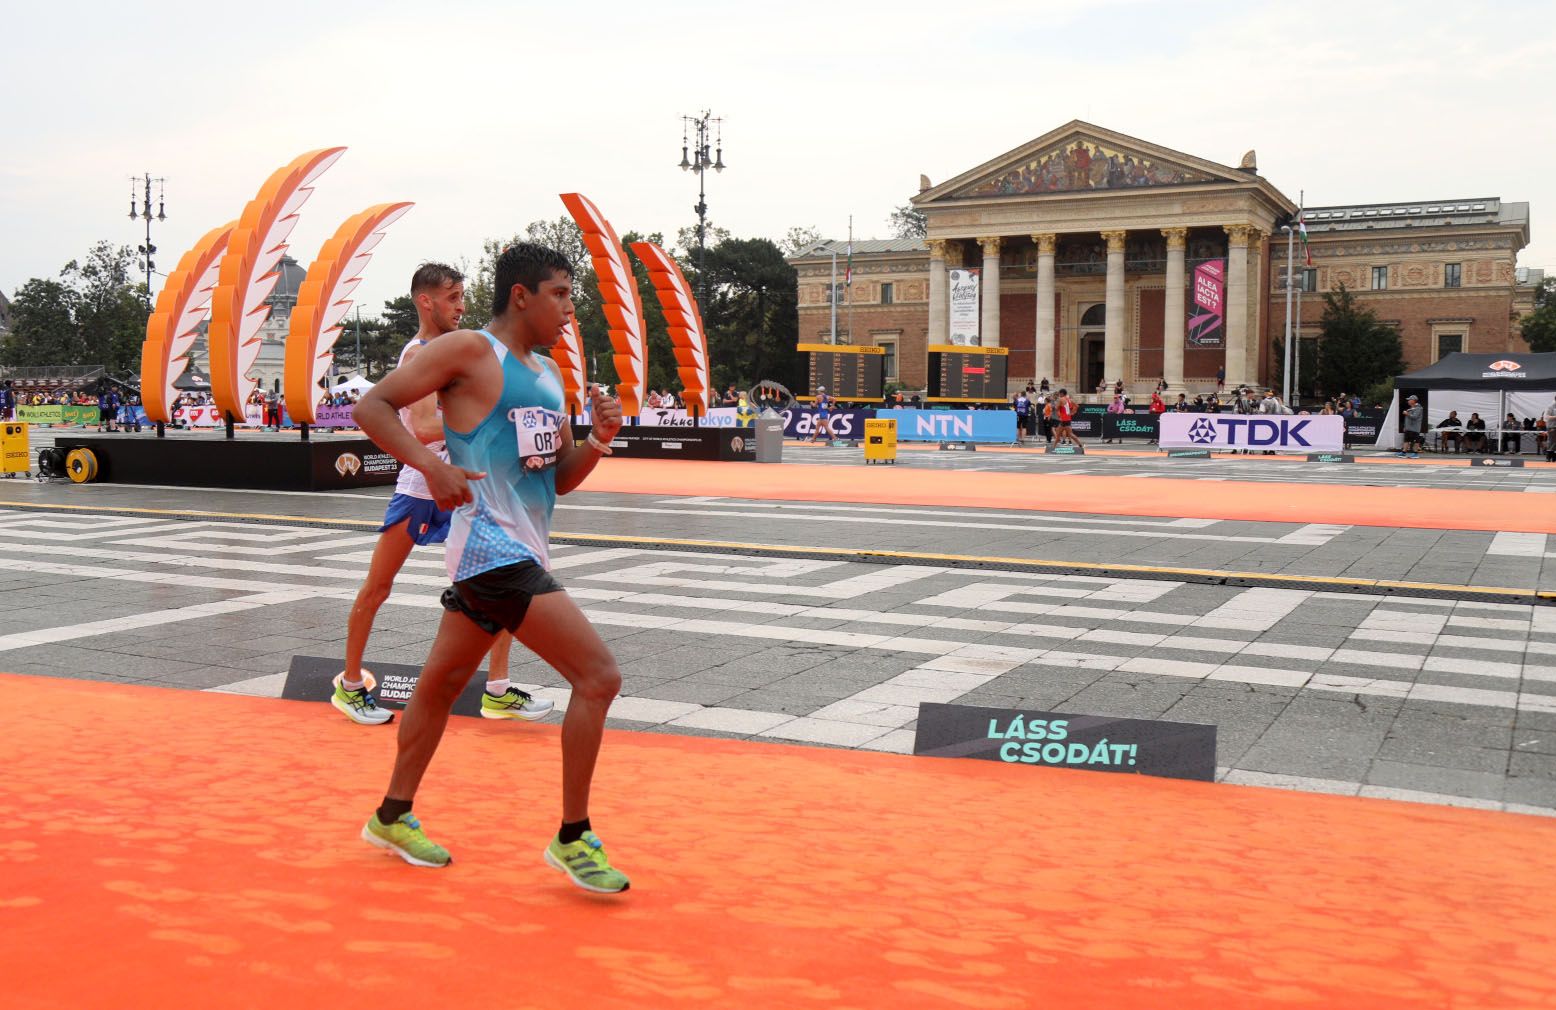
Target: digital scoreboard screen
(849, 372)
(968, 374)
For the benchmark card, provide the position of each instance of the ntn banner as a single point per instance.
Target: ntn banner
(953, 425)
(1294, 432)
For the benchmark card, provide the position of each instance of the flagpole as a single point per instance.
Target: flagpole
(848, 279)
(832, 297)
(1296, 357)
(1285, 372)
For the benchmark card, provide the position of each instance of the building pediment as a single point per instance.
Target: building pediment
(1078, 158)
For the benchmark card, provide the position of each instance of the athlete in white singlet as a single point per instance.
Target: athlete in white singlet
(511, 452)
(413, 518)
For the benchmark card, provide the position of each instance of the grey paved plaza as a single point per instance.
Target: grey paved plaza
(1443, 698)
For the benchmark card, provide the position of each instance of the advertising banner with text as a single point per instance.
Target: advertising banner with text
(57, 413)
(952, 425)
(1280, 432)
(846, 424)
(662, 417)
(963, 286)
(1206, 323)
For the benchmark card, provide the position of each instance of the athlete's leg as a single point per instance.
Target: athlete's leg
(456, 653)
(556, 630)
(389, 554)
(497, 660)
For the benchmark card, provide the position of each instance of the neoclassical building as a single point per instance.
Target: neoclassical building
(1087, 240)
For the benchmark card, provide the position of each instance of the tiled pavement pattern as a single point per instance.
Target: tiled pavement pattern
(1434, 699)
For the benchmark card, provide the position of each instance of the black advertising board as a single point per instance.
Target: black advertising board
(1133, 425)
(968, 374)
(1176, 750)
(279, 462)
(636, 441)
(312, 678)
(855, 373)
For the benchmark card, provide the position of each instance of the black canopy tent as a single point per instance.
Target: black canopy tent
(1492, 385)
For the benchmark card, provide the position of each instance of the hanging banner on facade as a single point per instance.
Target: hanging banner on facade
(1301, 433)
(1207, 323)
(964, 307)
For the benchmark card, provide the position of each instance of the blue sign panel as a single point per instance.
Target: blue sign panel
(953, 425)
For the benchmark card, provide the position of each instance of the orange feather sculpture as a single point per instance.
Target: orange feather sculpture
(619, 296)
(324, 300)
(182, 306)
(684, 320)
(569, 357)
(248, 274)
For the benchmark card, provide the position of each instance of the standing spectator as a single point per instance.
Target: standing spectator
(1065, 411)
(1415, 416)
(1023, 414)
(7, 401)
(1220, 378)
(1182, 406)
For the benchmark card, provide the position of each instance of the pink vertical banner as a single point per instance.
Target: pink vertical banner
(1206, 325)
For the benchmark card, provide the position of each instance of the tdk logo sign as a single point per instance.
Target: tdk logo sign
(1249, 431)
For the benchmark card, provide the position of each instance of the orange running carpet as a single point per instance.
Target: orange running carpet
(176, 849)
(1349, 505)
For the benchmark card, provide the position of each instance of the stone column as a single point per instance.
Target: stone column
(1113, 332)
(989, 326)
(1172, 328)
(1255, 343)
(939, 294)
(1236, 316)
(1045, 306)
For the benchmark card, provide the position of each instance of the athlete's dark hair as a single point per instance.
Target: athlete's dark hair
(528, 264)
(433, 277)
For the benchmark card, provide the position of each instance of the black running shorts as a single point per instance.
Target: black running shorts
(497, 600)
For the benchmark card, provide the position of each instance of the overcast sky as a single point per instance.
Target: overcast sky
(481, 113)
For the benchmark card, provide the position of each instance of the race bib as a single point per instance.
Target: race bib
(537, 430)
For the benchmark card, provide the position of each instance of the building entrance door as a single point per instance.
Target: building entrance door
(1092, 360)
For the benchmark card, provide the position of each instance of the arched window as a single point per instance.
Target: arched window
(1097, 315)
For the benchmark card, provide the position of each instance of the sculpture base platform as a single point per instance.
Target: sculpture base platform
(258, 461)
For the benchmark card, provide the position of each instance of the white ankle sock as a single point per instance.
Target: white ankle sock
(497, 688)
(352, 685)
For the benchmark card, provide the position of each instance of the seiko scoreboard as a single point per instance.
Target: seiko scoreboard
(967, 374)
(849, 372)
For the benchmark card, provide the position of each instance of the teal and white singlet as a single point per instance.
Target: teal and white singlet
(509, 519)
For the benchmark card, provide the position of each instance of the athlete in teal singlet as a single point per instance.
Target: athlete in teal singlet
(511, 452)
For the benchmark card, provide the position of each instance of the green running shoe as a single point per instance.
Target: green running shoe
(359, 706)
(405, 839)
(514, 704)
(585, 864)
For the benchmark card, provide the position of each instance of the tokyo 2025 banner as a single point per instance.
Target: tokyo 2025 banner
(1283, 432)
(1207, 324)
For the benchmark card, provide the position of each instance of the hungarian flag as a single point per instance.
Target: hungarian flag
(1307, 252)
(848, 268)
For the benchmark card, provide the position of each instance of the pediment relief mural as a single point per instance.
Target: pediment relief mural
(1078, 164)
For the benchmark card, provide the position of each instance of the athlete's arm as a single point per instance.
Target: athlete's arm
(574, 462)
(440, 366)
(425, 422)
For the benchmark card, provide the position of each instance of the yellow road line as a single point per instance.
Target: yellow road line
(851, 552)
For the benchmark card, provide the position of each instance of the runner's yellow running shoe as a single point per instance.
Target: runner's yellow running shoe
(514, 704)
(359, 706)
(405, 839)
(585, 864)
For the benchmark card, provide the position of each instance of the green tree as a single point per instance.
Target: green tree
(796, 239)
(905, 222)
(43, 327)
(110, 308)
(93, 315)
(752, 315)
(1356, 350)
(1539, 327)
